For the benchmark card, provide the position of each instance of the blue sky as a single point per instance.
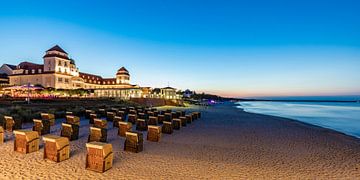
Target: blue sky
(232, 48)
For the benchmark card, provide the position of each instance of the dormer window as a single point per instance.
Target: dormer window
(39, 70)
(26, 71)
(33, 71)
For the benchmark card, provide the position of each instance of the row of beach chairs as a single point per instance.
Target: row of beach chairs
(100, 155)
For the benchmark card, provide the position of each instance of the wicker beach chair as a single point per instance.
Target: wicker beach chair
(123, 128)
(153, 120)
(167, 127)
(168, 117)
(97, 134)
(176, 124)
(161, 118)
(116, 121)
(69, 113)
(12, 124)
(110, 116)
(41, 126)
(141, 125)
(133, 142)
(188, 118)
(183, 120)
(92, 117)
(102, 112)
(154, 133)
(132, 118)
(142, 116)
(121, 114)
(99, 156)
(100, 123)
(71, 131)
(194, 116)
(56, 148)
(88, 112)
(48, 117)
(26, 141)
(70, 119)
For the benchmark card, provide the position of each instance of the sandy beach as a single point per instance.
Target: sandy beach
(226, 143)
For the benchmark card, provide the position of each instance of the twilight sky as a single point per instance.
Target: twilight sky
(231, 48)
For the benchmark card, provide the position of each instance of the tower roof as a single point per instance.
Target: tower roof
(123, 69)
(57, 48)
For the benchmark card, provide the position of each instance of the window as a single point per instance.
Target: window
(39, 70)
(65, 70)
(59, 70)
(59, 63)
(65, 64)
(66, 80)
(33, 71)
(26, 71)
(60, 79)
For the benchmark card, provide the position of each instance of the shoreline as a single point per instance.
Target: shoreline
(226, 143)
(300, 121)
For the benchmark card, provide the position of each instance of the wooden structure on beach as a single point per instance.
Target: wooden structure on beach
(154, 133)
(161, 118)
(26, 141)
(132, 118)
(70, 119)
(41, 126)
(100, 123)
(70, 131)
(123, 128)
(48, 117)
(110, 116)
(97, 134)
(188, 118)
(141, 125)
(56, 148)
(153, 120)
(99, 156)
(92, 116)
(102, 112)
(183, 120)
(134, 142)
(167, 127)
(176, 124)
(12, 124)
(116, 121)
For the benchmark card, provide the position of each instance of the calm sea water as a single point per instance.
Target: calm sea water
(343, 117)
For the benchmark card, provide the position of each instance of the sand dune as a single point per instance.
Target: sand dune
(226, 143)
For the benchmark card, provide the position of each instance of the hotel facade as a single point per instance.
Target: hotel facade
(60, 72)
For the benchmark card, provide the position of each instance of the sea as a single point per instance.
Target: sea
(340, 116)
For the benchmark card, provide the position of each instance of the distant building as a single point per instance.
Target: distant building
(187, 93)
(60, 72)
(4, 80)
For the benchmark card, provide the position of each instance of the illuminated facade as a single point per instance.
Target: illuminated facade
(60, 72)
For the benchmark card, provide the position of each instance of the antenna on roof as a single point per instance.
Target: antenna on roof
(168, 84)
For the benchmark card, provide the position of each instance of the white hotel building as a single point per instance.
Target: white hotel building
(60, 72)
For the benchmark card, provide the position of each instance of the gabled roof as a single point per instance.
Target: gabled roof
(13, 67)
(57, 48)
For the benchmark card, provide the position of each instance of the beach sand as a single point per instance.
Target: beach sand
(226, 143)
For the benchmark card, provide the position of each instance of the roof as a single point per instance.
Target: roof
(57, 48)
(123, 69)
(13, 67)
(168, 87)
(29, 66)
